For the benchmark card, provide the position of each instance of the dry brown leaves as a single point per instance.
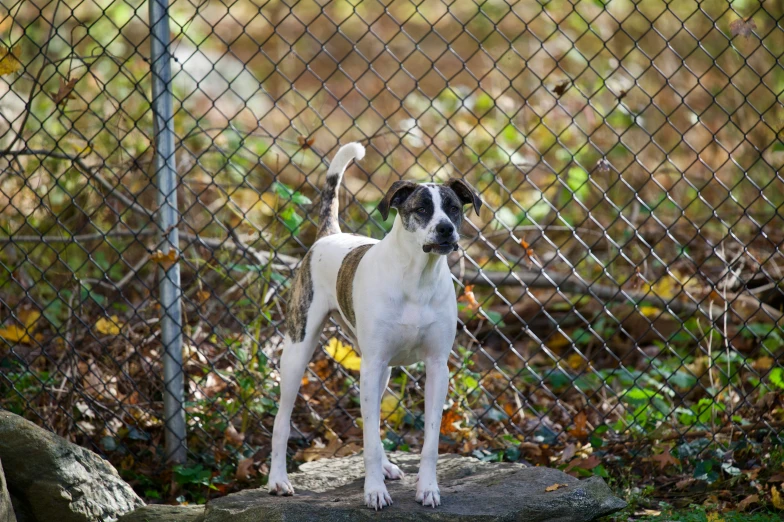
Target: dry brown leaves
(469, 298)
(65, 91)
(165, 260)
(741, 27)
(665, 458)
(560, 87)
(245, 469)
(555, 487)
(580, 429)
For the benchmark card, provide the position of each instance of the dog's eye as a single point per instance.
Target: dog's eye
(454, 210)
(421, 210)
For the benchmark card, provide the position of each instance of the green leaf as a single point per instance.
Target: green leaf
(288, 193)
(577, 179)
(291, 219)
(776, 377)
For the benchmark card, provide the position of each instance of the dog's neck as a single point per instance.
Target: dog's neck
(419, 268)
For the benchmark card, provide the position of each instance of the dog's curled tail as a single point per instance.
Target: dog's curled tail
(328, 216)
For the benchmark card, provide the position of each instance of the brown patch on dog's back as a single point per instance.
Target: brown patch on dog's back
(345, 283)
(299, 303)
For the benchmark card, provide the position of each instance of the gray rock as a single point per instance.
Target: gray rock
(471, 490)
(155, 513)
(51, 479)
(6, 510)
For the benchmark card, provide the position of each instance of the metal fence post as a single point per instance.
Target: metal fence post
(168, 217)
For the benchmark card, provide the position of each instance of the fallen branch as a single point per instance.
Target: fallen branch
(87, 171)
(573, 284)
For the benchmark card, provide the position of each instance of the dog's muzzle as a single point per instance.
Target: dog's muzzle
(440, 248)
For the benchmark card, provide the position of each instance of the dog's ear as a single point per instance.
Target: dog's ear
(395, 196)
(465, 192)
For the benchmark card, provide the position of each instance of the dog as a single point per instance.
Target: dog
(396, 299)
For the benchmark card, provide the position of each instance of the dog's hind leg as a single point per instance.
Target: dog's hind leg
(293, 361)
(391, 471)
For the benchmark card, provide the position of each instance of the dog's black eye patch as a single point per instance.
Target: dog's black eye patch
(452, 206)
(418, 209)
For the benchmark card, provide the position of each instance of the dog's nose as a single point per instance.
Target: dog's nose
(444, 229)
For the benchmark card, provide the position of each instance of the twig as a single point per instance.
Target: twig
(571, 283)
(87, 171)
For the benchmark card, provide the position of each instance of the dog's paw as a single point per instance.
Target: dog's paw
(377, 497)
(279, 485)
(392, 472)
(428, 495)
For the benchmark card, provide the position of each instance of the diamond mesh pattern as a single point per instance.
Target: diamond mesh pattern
(623, 279)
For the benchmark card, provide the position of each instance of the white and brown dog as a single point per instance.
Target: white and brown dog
(397, 300)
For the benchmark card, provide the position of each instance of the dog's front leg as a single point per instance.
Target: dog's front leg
(436, 385)
(372, 373)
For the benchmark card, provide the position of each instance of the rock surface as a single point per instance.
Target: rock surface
(471, 490)
(165, 514)
(6, 510)
(51, 479)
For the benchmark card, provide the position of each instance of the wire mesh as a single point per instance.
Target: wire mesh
(622, 282)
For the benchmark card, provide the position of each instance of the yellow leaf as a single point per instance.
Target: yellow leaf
(268, 204)
(391, 411)
(15, 334)
(575, 361)
(764, 363)
(9, 60)
(650, 311)
(343, 354)
(165, 260)
(778, 502)
(555, 487)
(110, 326)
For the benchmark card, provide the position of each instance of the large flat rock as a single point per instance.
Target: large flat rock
(6, 509)
(50, 479)
(471, 490)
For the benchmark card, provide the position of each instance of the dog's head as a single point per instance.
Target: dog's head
(432, 213)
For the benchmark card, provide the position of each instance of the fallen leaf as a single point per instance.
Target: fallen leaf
(650, 311)
(245, 469)
(685, 483)
(664, 458)
(203, 295)
(469, 298)
(580, 426)
(391, 410)
(343, 354)
(165, 260)
(555, 487)
(775, 496)
(15, 334)
(9, 59)
(233, 436)
(108, 326)
(304, 142)
(748, 501)
(763, 364)
(575, 361)
(587, 464)
(741, 27)
(336, 448)
(448, 421)
(560, 87)
(778, 477)
(65, 91)
(568, 452)
(622, 94)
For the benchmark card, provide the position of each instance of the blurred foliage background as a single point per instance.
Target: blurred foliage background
(620, 294)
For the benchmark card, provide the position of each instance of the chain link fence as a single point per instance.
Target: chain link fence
(623, 282)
